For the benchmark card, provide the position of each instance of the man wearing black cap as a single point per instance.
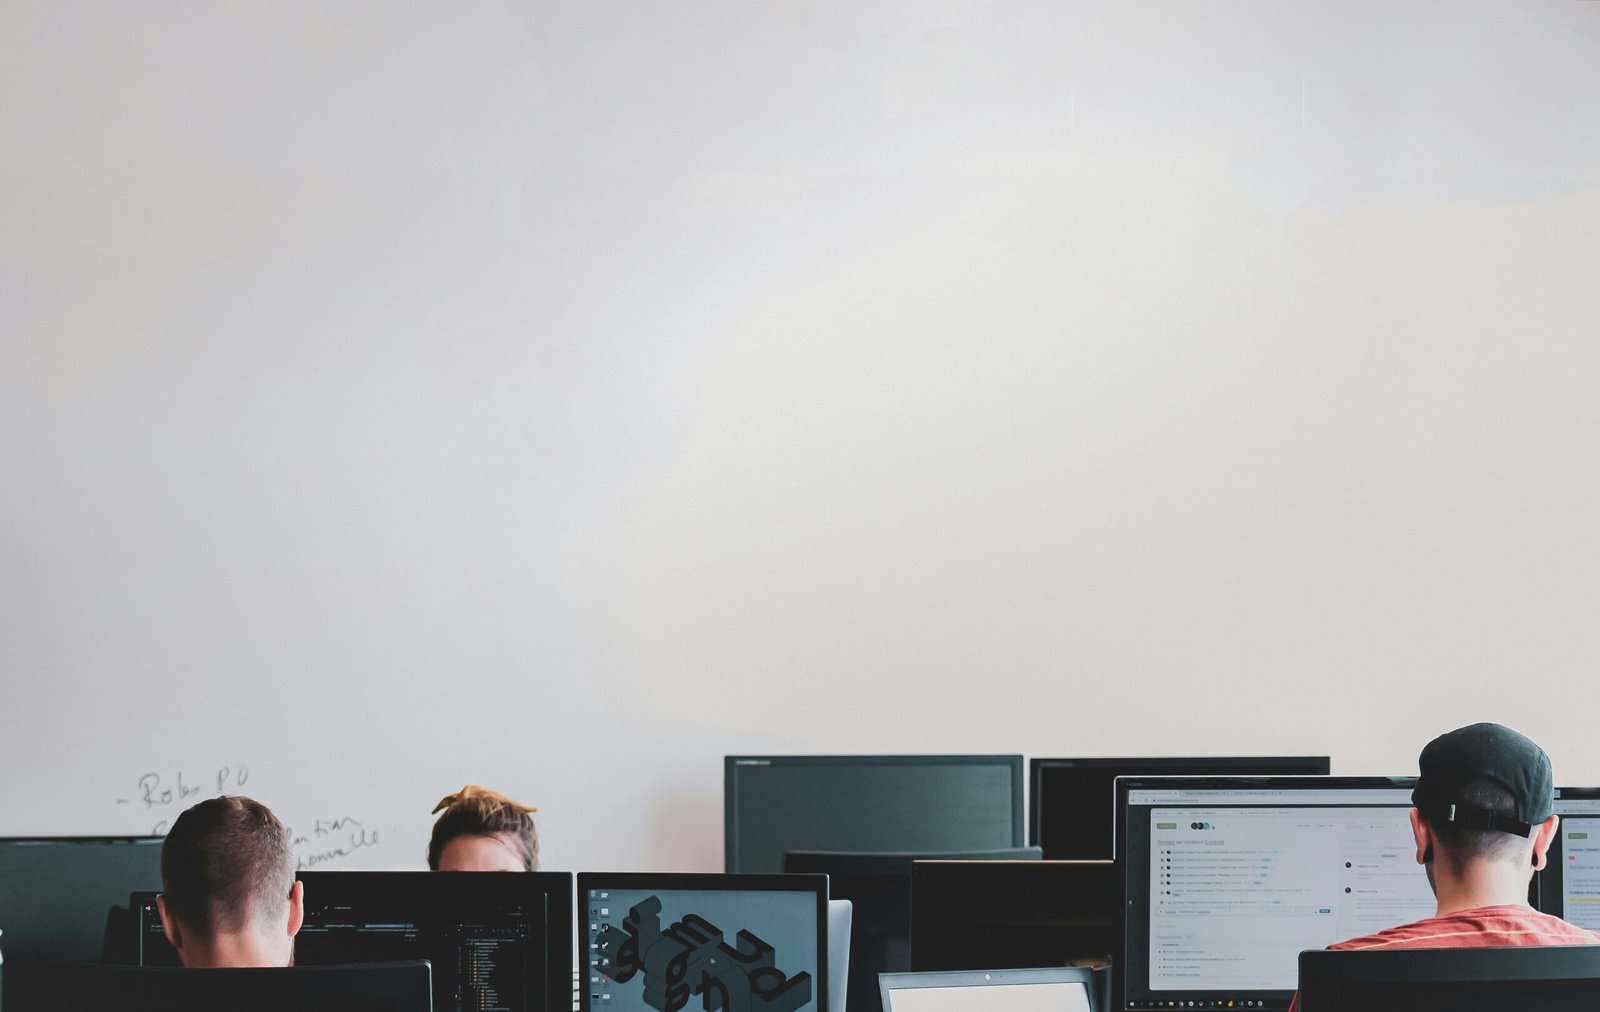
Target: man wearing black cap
(1484, 821)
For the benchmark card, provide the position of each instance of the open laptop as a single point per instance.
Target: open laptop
(1064, 989)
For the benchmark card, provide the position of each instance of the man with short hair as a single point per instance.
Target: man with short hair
(1484, 821)
(229, 896)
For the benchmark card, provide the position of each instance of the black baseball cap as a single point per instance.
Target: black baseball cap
(1485, 752)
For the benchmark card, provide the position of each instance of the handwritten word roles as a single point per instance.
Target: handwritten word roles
(153, 793)
(325, 841)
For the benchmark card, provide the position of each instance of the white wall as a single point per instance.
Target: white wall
(560, 396)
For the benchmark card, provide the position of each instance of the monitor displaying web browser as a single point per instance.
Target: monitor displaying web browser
(1569, 885)
(1226, 879)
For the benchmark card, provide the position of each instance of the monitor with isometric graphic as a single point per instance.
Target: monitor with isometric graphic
(733, 943)
(498, 941)
(57, 894)
(1225, 880)
(1569, 885)
(925, 804)
(1072, 803)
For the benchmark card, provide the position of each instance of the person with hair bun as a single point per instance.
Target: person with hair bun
(483, 830)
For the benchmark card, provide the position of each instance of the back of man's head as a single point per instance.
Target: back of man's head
(1465, 844)
(226, 867)
(1485, 791)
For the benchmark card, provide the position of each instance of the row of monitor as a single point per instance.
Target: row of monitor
(495, 942)
(1218, 884)
(1221, 881)
(504, 943)
(1552, 979)
(930, 804)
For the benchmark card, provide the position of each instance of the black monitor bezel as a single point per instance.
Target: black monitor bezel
(732, 763)
(895, 864)
(141, 841)
(1322, 969)
(1546, 888)
(1127, 784)
(817, 885)
(407, 984)
(1247, 766)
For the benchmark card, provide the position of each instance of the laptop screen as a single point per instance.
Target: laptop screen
(1226, 880)
(733, 942)
(1063, 990)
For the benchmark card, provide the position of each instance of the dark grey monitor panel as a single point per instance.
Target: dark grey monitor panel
(1072, 803)
(924, 804)
(58, 894)
(983, 915)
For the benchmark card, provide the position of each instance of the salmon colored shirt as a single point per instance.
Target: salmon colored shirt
(1480, 927)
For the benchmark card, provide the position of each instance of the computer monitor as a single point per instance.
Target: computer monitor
(57, 894)
(497, 940)
(736, 943)
(988, 915)
(879, 885)
(1037, 990)
(908, 803)
(1226, 879)
(1569, 885)
(1072, 803)
(394, 987)
(1546, 978)
(985, 915)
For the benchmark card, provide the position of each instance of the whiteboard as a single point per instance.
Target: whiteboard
(561, 396)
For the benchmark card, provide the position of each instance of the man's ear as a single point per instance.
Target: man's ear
(1423, 834)
(1543, 837)
(169, 927)
(297, 907)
